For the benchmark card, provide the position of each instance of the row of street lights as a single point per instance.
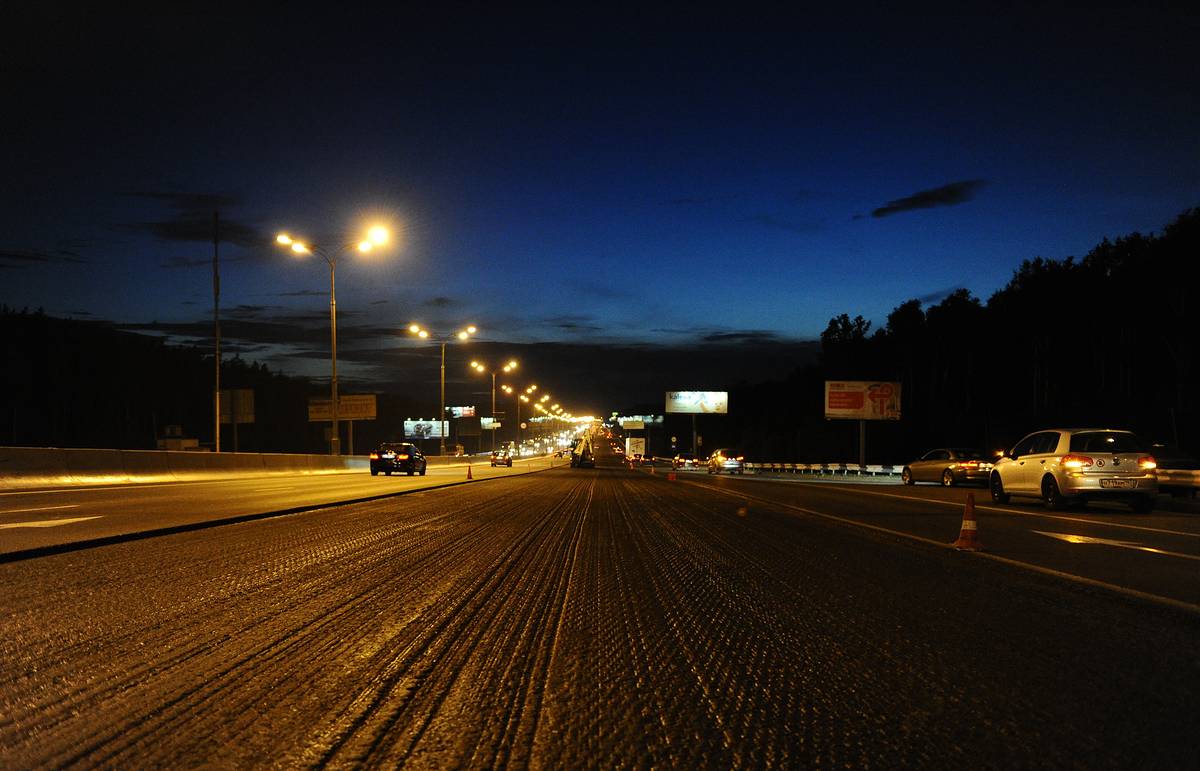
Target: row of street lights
(379, 236)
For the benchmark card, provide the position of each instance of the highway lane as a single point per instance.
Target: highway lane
(38, 519)
(581, 617)
(1157, 555)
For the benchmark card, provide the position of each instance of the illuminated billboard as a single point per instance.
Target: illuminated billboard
(698, 402)
(461, 412)
(862, 400)
(422, 429)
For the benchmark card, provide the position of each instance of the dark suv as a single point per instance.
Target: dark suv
(501, 458)
(398, 456)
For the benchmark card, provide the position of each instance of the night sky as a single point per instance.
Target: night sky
(686, 180)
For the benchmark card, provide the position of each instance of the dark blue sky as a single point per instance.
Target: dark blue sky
(591, 177)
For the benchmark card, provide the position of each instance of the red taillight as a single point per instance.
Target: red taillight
(969, 464)
(402, 456)
(740, 457)
(374, 456)
(1147, 462)
(1075, 461)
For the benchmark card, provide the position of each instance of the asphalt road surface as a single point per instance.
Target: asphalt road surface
(607, 617)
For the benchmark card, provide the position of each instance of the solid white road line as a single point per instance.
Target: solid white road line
(46, 523)
(40, 508)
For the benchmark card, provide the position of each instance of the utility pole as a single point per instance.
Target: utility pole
(217, 335)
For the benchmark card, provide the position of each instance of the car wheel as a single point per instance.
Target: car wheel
(1052, 495)
(1143, 505)
(906, 476)
(423, 467)
(997, 488)
(374, 472)
(387, 472)
(947, 478)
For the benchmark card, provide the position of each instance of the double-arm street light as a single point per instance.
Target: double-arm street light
(479, 367)
(375, 237)
(425, 334)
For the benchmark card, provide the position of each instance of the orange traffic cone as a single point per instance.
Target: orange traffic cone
(652, 468)
(968, 536)
(671, 476)
(468, 471)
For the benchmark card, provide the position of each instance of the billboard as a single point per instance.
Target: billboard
(862, 400)
(350, 407)
(488, 424)
(239, 402)
(698, 402)
(423, 429)
(461, 412)
(635, 446)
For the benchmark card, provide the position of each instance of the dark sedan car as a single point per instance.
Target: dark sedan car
(501, 458)
(398, 456)
(948, 466)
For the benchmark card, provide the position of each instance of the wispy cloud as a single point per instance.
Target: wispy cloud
(951, 194)
(778, 223)
(191, 219)
(13, 258)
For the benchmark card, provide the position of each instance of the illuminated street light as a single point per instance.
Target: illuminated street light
(508, 367)
(377, 235)
(463, 334)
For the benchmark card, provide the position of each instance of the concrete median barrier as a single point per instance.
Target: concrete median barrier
(33, 466)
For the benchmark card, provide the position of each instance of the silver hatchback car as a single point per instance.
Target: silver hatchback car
(1064, 465)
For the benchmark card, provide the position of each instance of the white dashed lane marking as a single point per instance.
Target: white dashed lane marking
(46, 523)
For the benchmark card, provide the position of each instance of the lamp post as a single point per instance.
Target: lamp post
(376, 236)
(424, 334)
(509, 367)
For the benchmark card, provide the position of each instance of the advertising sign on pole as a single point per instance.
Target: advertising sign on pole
(237, 402)
(461, 412)
(350, 407)
(635, 446)
(633, 424)
(489, 424)
(862, 400)
(698, 402)
(423, 429)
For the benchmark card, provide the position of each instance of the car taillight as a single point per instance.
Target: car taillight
(374, 456)
(402, 456)
(969, 464)
(740, 457)
(1147, 462)
(1075, 461)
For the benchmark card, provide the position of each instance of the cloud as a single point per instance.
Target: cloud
(772, 221)
(438, 302)
(688, 201)
(191, 219)
(936, 296)
(378, 302)
(744, 336)
(951, 194)
(25, 257)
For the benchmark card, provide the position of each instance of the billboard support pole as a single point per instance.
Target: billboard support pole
(350, 435)
(862, 442)
(695, 449)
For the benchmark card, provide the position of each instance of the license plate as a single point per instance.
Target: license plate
(1121, 483)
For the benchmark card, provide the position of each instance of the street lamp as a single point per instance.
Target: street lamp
(376, 236)
(509, 367)
(425, 334)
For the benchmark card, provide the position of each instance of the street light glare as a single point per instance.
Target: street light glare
(378, 235)
(414, 329)
(299, 248)
(512, 364)
(283, 238)
(422, 334)
(365, 246)
(471, 330)
(463, 335)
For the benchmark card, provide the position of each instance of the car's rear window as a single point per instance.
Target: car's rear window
(1105, 441)
(969, 454)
